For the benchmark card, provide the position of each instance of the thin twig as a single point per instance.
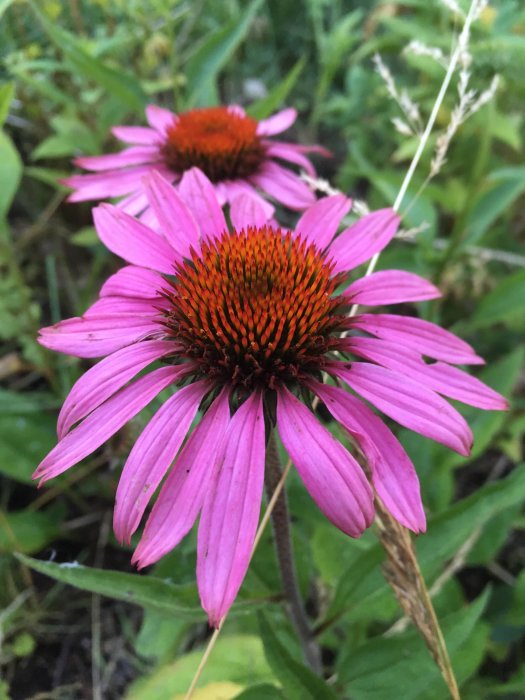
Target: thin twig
(203, 661)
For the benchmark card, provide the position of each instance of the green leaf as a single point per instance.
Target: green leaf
(6, 96)
(504, 187)
(274, 99)
(4, 4)
(236, 658)
(25, 439)
(10, 173)
(401, 665)
(297, 680)
(114, 82)
(505, 302)
(24, 531)
(145, 591)
(262, 691)
(211, 56)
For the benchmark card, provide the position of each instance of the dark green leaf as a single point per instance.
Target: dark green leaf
(274, 99)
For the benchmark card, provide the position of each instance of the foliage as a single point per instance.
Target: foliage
(70, 71)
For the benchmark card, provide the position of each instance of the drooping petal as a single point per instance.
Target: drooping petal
(151, 456)
(133, 241)
(277, 123)
(331, 475)
(113, 183)
(198, 193)
(125, 306)
(284, 186)
(291, 153)
(390, 287)
(142, 135)
(319, 223)
(408, 403)
(246, 211)
(423, 336)
(361, 241)
(133, 204)
(96, 337)
(133, 281)
(106, 378)
(393, 474)
(228, 190)
(129, 156)
(182, 495)
(104, 422)
(231, 511)
(176, 221)
(446, 380)
(159, 118)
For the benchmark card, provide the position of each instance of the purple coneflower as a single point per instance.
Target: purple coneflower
(250, 325)
(231, 148)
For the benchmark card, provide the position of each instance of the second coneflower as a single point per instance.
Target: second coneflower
(251, 324)
(235, 152)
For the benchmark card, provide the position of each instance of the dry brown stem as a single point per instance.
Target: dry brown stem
(403, 574)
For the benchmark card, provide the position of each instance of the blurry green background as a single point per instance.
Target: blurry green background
(69, 70)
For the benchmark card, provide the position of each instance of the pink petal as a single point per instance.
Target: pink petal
(393, 474)
(290, 153)
(130, 156)
(104, 422)
(113, 183)
(246, 211)
(284, 186)
(199, 195)
(365, 238)
(159, 118)
(142, 135)
(176, 221)
(408, 403)
(107, 377)
(319, 223)
(331, 475)
(132, 281)
(424, 337)
(228, 190)
(446, 380)
(132, 241)
(231, 511)
(152, 455)
(125, 306)
(237, 110)
(97, 336)
(390, 287)
(182, 495)
(277, 123)
(133, 204)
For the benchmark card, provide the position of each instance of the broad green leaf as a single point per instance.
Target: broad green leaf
(6, 95)
(297, 680)
(145, 591)
(236, 658)
(263, 691)
(25, 439)
(160, 635)
(205, 64)
(27, 532)
(13, 402)
(274, 99)
(4, 4)
(362, 585)
(115, 82)
(401, 666)
(504, 303)
(504, 187)
(10, 173)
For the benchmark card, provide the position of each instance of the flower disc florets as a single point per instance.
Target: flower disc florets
(255, 309)
(222, 143)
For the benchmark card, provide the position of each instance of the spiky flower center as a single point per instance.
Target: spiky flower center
(219, 141)
(255, 308)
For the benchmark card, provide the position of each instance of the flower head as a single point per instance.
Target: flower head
(232, 149)
(251, 324)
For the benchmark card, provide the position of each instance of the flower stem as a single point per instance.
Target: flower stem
(283, 544)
